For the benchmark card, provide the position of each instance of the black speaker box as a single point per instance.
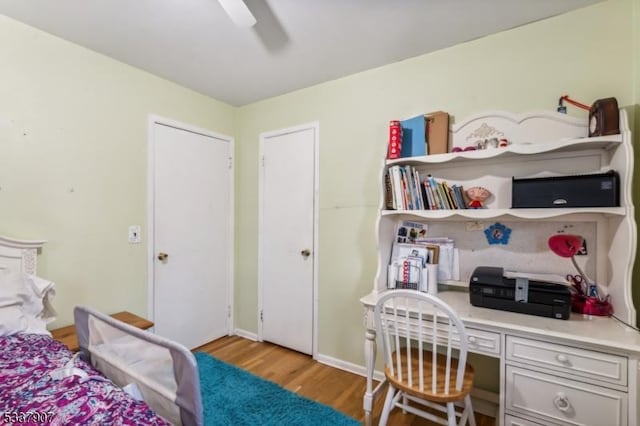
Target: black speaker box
(596, 190)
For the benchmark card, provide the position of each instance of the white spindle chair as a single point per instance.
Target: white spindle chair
(427, 374)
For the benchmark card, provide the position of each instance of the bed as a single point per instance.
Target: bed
(42, 382)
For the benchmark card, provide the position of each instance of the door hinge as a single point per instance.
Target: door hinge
(230, 163)
(261, 316)
(229, 311)
(263, 161)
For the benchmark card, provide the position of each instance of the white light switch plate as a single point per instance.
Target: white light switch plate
(134, 234)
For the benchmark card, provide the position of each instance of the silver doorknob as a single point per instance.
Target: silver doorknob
(305, 253)
(162, 256)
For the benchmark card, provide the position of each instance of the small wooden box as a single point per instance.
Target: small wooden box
(437, 132)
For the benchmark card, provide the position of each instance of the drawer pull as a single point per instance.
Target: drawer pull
(562, 358)
(562, 402)
(472, 340)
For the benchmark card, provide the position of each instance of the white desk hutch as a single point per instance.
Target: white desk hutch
(581, 371)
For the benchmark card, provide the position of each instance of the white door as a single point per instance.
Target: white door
(192, 231)
(287, 234)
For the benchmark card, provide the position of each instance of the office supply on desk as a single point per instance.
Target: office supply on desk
(587, 298)
(489, 288)
(567, 245)
(587, 190)
(448, 258)
(431, 270)
(578, 284)
(413, 266)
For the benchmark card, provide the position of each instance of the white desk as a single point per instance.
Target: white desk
(566, 372)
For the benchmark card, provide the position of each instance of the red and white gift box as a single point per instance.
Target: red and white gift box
(395, 139)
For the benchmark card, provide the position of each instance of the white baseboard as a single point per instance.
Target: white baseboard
(348, 366)
(246, 334)
(484, 402)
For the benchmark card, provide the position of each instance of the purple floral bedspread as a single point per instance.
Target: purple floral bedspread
(30, 396)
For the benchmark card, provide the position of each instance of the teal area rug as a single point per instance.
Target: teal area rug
(234, 397)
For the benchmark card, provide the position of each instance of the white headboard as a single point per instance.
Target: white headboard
(19, 255)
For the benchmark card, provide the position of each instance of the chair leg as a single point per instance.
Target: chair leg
(388, 405)
(469, 407)
(451, 414)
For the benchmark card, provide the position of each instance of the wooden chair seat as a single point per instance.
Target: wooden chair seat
(426, 393)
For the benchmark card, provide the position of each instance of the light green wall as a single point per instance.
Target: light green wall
(73, 155)
(522, 69)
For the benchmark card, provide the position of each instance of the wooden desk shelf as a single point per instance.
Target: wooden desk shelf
(579, 371)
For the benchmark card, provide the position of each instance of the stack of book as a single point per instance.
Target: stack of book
(404, 190)
(442, 196)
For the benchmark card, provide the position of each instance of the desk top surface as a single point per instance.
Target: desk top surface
(598, 331)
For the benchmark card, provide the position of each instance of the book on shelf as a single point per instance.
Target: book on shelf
(389, 203)
(396, 183)
(459, 199)
(418, 190)
(432, 192)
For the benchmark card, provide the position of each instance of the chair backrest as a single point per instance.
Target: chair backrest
(421, 322)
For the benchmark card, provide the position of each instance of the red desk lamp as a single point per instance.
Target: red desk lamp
(566, 245)
(586, 299)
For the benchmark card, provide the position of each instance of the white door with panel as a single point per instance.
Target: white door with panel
(192, 233)
(287, 234)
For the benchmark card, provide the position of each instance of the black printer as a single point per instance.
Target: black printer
(489, 288)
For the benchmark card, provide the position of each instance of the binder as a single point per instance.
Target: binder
(414, 142)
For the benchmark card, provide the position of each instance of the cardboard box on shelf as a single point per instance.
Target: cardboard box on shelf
(437, 132)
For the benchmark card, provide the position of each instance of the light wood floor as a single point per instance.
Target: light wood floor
(300, 373)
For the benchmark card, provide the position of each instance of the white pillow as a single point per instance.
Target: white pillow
(25, 303)
(12, 320)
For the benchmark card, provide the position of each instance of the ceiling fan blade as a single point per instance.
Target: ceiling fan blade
(238, 12)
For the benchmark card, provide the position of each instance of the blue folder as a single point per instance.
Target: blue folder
(414, 142)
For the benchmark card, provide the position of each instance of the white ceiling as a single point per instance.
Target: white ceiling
(295, 44)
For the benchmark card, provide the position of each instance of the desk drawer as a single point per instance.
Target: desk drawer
(516, 421)
(578, 362)
(484, 342)
(563, 401)
(478, 341)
